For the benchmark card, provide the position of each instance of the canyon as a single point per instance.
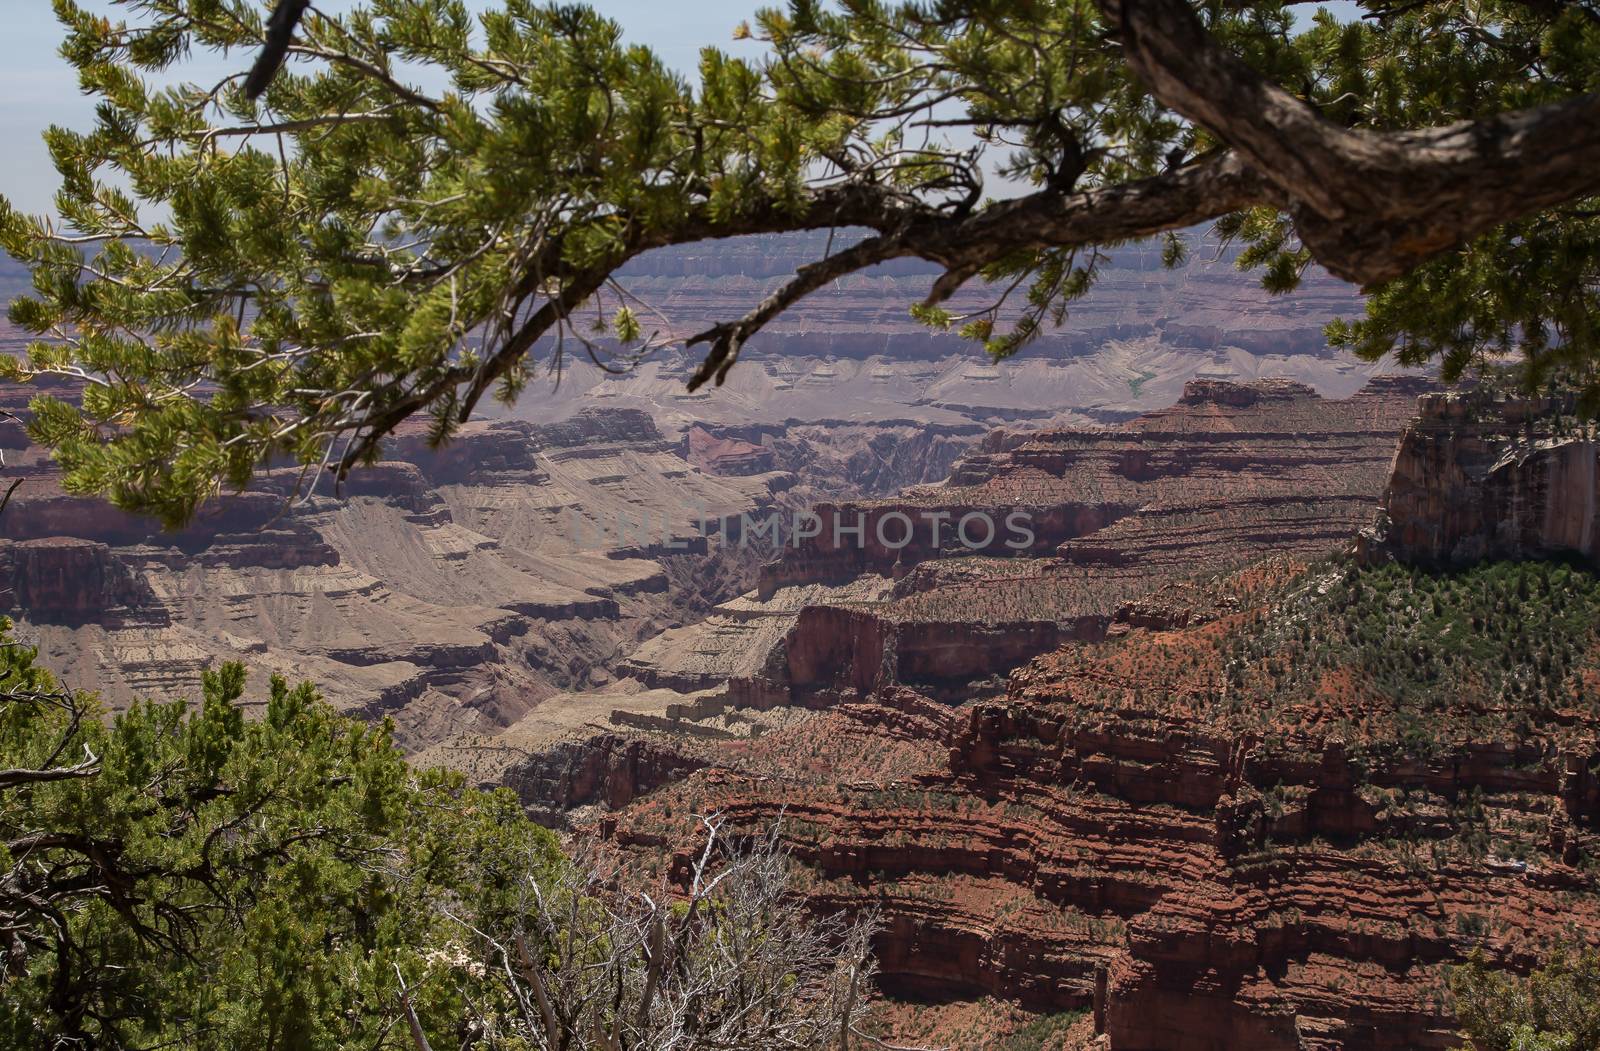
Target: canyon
(444, 590)
(1172, 672)
(455, 590)
(1229, 788)
(903, 591)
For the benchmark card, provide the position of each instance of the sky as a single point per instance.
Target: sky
(38, 88)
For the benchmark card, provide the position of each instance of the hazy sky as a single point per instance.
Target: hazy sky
(38, 88)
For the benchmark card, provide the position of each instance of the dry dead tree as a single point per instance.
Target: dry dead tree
(737, 962)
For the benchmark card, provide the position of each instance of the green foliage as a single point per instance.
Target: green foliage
(217, 881)
(1528, 287)
(1043, 1033)
(1403, 665)
(352, 261)
(1556, 1008)
(240, 282)
(1429, 641)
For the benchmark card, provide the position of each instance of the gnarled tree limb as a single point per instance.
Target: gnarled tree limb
(1369, 205)
(1206, 189)
(280, 31)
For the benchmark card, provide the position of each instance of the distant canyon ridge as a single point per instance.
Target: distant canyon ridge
(852, 352)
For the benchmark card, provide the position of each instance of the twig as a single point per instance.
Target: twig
(418, 1037)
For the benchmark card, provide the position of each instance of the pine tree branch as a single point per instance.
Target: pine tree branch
(1369, 205)
(1046, 220)
(280, 31)
(25, 776)
(419, 1039)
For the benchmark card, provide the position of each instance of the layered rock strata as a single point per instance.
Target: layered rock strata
(1041, 538)
(1240, 843)
(449, 588)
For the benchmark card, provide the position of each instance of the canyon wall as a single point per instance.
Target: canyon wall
(69, 580)
(451, 589)
(1480, 477)
(1042, 537)
(1275, 851)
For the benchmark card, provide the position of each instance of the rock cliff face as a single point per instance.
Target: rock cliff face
(1476, 479)
(1262, 456)
(726, 455)
(837, 457)
(69, 580)
(607, 769)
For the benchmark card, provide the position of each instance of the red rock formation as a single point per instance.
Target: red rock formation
(726, 455)
(889, 537)
(1084, 522)
(610, 769)
(840, 651)
(1272, 458)
(1282, 870)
